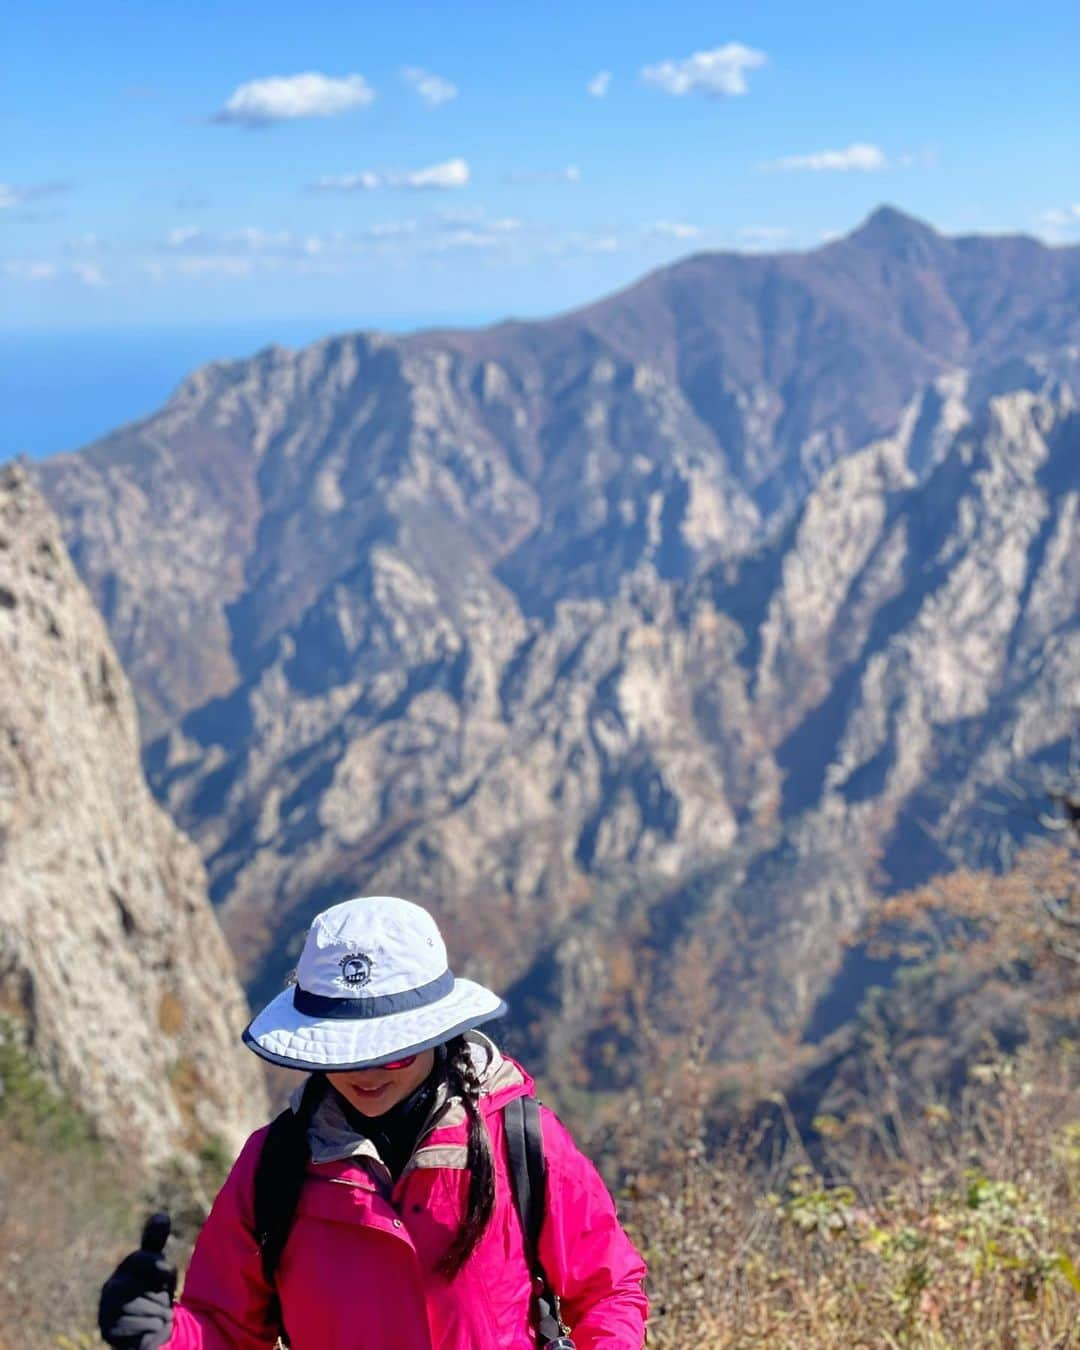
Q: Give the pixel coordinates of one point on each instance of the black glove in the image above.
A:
(135, 1312)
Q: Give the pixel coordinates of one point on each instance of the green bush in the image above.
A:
(30, 1110)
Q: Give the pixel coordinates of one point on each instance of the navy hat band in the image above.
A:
(380, 1005)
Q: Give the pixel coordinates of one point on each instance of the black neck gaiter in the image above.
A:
(396, 1131)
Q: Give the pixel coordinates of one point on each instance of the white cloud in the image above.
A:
(314, 254)
(926, 158)
(12, 195)
(38, 269)
(469, 239)
(423, 239)
(451, 173)
(254, 251)
(283, 98)
(257, 240)
(433, 89)
(90, 274)
(571, 174)
(1060, 224)
(391, 229)
(190, 238)
(317, 267)
(720, 72)
(673, 229)
(758, 237)
(470, 227)
(187, 251)
(26, 269)
(182, 235)
(1062, 215)
(348, 182)
(599, 84)
(858, 157)
(270, 247)
(217, 265)
(453, 217)
(578, 242)
(460, 215)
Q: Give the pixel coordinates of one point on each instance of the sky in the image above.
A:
(289, 169)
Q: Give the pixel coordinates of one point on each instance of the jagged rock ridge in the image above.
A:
(697, 616)
(680, 421)
(112, 964)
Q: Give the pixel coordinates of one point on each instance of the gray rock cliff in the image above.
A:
(112, 964)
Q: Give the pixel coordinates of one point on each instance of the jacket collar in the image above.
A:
(331, 1137)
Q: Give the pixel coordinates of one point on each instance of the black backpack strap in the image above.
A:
(521, 1174)
(528, 1175)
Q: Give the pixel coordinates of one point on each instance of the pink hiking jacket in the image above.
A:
(359, 1269)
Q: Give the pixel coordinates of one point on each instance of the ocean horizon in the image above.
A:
(61, 389)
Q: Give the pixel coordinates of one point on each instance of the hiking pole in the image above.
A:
(156, 1232)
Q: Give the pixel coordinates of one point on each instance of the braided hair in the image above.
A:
(464, 1082)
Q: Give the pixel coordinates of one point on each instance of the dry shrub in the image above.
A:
(57, 1222)
(919, 1215)
(1027, 919)
(65, 1205)
(70, 1208)
(970, 1236)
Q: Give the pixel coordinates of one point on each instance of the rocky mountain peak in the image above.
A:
(893, 232)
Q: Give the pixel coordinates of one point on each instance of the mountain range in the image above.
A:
(648, 644)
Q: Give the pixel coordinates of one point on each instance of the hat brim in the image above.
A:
(282, 1035)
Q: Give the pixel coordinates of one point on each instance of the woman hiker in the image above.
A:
(379, 1213)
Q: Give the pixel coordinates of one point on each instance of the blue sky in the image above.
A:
(448, 162)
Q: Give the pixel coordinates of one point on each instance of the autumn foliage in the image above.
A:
(932, 1209)
(933, 1201)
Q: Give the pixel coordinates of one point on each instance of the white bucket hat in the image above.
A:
(372, 985)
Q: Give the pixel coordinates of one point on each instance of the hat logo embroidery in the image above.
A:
(356, 969)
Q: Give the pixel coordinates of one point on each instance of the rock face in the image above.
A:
(679, 422)
(111, 961)
(657, 637)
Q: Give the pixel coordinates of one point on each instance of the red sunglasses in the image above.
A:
(399, 1063)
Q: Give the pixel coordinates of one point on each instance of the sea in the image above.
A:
(61, 389)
